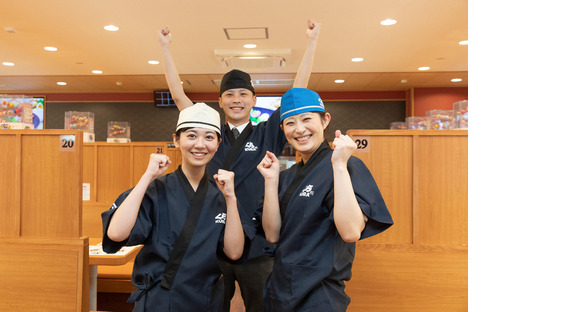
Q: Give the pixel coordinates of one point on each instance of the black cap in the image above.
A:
(236, 79)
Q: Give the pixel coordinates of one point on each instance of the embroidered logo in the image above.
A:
(307, 191)
(221, 218)
(250, 147)
(114, 206)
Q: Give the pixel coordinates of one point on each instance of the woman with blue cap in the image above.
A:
(316, 211)
(183, 221)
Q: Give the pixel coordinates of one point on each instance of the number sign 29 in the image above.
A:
(67, 143)
(363, 143)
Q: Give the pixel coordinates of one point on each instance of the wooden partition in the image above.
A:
(420, 263)
(112, 168)
(44, 259)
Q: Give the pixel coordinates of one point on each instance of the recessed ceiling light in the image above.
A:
(456, 80)
(388, 22)
(403, 80)
(152, 62)
(7, 63)
(51, 49)
(111, 28)
(11, 30)
(119, 83)
(98, 72)
(339, 81)
(61, 83)
(357, 59)
(464, 42)
(249, 46)
(424, 68)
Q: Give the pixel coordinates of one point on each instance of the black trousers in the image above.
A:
(251, 276)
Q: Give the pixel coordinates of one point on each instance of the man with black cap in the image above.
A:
(241, 150)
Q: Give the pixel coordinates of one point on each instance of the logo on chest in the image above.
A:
(250, 147)
(221, 218)
(307, 191)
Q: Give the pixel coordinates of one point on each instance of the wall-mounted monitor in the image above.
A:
(11, 111)
(163, 99)
(265, 106)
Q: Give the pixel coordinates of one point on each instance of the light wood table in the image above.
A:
(98, 257)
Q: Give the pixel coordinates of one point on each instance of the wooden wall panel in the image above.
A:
(89, 166)
(50, 178)
(441, 210)
(113, 171)
(390, 162)
(9, 178)
(92, 224)
(408, 278)
(44, 275)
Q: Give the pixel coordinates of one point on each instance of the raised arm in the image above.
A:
(125, 217)
(348, 216)
(305, 68)
(271, 219)
(234, 238)
(171, 75)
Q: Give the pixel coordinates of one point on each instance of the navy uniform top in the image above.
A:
(312, 261)
(249, 183)
(159, 223)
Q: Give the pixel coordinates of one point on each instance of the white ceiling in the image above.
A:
(427, 34)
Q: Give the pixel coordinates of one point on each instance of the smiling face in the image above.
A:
(305, 132)
(197, 145)
(237, 105)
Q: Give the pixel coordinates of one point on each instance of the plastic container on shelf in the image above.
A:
(416, 123)
(460, 115)
(84, 121)
(398, 125)
(119, 132)
(440, 119)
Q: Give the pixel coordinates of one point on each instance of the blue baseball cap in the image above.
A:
(300, 100)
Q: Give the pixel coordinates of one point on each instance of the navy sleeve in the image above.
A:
(275, 136)
(140, 230)
(369, 198)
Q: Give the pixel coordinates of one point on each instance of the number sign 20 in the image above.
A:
(67, 143)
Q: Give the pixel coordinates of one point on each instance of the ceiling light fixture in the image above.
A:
(98, 72)
(357, 59)
(111, 28)
(7, 63)
(403, 80)
(61, 83)
(339, 81)
(456, 80)
(249, 46)
(464, 42)
(152, 62)
(424, 68)
(388, 22)
(51, 49)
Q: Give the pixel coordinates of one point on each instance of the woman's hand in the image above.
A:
(225, 182)
(269, 167)
(344, 146)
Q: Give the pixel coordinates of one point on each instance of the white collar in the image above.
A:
(240, 127)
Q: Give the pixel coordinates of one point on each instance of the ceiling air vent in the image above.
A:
(255, 60)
